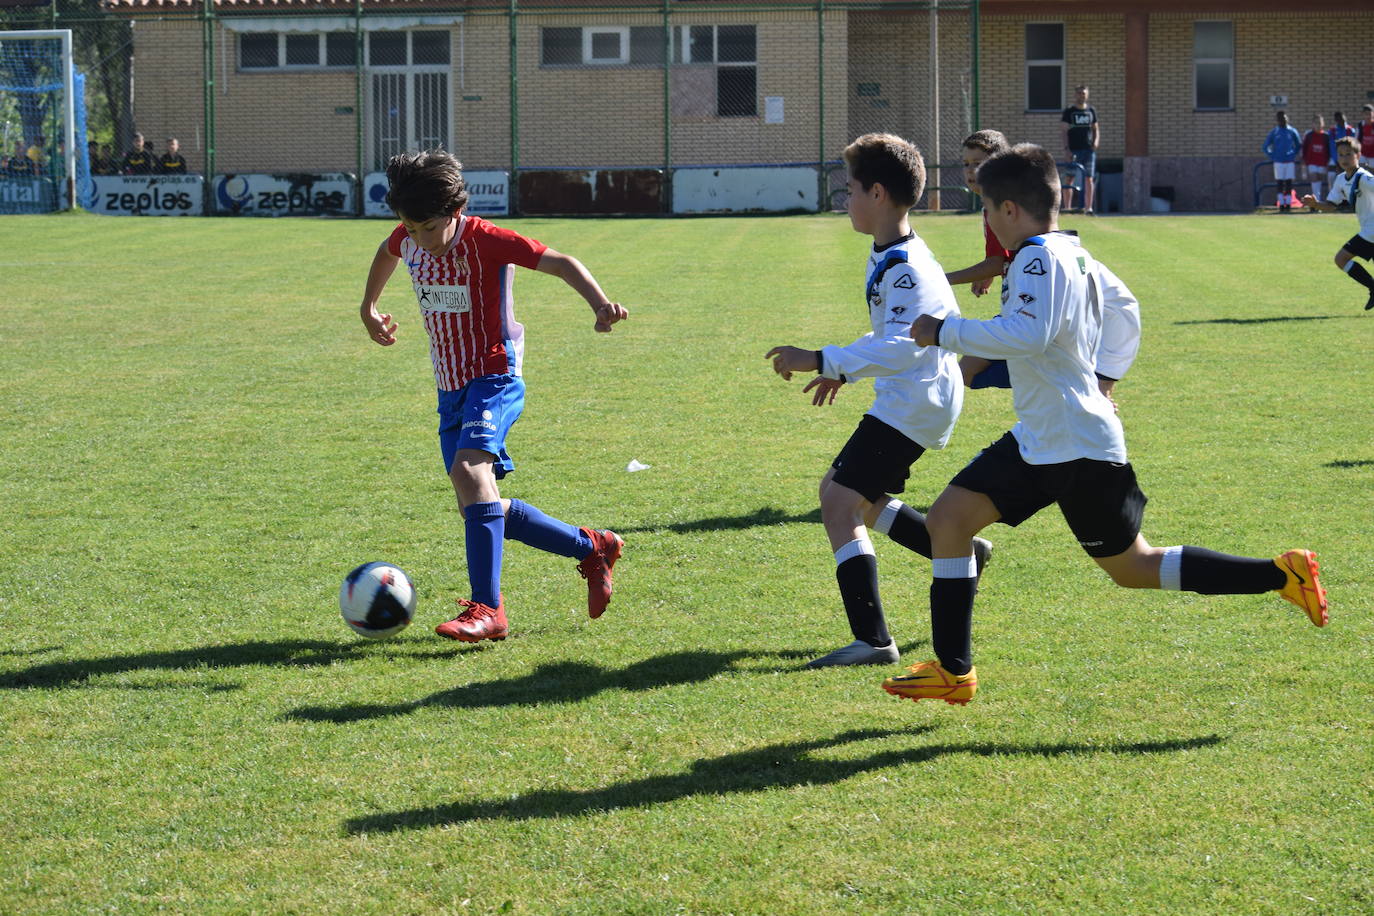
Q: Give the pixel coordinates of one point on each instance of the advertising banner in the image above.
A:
(27, 195)
(146, 195)
(294, 194)
(488, 193)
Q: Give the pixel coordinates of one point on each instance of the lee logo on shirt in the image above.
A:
(435, 298)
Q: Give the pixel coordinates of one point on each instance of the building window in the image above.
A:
(326, 50)
(733, 50)
(601, 46)
(1214, 64)
(1044, 66)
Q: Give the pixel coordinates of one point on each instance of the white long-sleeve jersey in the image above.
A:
(1049, 331)
(1120, 325)
(917, 390)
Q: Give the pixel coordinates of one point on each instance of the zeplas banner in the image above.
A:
(146, 195)
(294, 194)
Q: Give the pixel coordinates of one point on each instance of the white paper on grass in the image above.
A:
(635, 465)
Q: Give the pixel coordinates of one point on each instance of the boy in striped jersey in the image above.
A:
(1067, 446)
(462, 269)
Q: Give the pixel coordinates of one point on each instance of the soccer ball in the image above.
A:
(377, 600)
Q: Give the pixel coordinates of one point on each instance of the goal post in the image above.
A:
(39, 107)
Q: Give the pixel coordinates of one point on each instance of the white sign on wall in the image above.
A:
(293, 194)
(488, 193)
(146, 195)
(744, 189)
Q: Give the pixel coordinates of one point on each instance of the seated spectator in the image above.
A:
(19, 165)
(138, 160)
(172, 162)
(107, 159)
(37, 153)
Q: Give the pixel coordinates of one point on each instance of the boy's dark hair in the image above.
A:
(1339, 116)
(890, 161)
(989, 141)
(1349, 143)
(1025, 174)
(425, 185)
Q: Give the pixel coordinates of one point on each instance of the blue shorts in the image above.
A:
(994, 376)
(1088, 159)
(479, 415)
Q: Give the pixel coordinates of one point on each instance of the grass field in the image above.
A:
(199, 441)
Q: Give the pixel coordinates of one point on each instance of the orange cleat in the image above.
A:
(476, 623)
(1302, 587)
(930, 681)
(596, 569)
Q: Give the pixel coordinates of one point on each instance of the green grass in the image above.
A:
(199, 441)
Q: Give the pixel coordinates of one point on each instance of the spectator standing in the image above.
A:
(1080, 133)
(138, 160)
(172, 162)
(1338, 130)
(1364, 132)
(1282, 147)
(20, 165)
(1316, 153)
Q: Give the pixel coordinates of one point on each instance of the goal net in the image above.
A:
(44, 164)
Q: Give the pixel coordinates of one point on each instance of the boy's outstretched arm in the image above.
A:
(990, 268)
(379, 327)
(570, 270)
(1324, 206)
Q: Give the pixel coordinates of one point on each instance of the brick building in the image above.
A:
(1184, 88)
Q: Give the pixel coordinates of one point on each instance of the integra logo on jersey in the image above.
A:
(434, 298)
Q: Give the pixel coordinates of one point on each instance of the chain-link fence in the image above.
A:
(649, 107)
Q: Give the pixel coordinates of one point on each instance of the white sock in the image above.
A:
(1171, 569)
(954, 567)
(889, 515)
(855, 548)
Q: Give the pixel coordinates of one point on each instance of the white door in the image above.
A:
(409, 100)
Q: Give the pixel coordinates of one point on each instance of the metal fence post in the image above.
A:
(208, 62)
(666, 187)
(822, 178)
(358, 62)
(513, 188)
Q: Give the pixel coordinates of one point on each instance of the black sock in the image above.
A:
(951, 622)
(1210, 573)
(909, 530)
(858, 580)
(1360, 275)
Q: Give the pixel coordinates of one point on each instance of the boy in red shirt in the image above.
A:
(1316, 154)
(462, 269)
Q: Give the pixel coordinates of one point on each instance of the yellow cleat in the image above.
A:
(1302, 587)
(929, 681)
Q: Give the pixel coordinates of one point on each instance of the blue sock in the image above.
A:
(485, 524)
(528, 525)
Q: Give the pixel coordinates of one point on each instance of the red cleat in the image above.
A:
(596, 569)
(476, 623)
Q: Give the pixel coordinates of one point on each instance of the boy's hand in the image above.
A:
(787, 360)
(607, 314)
(380, 328)
(825, 390)
(980, 287)
(925, 330)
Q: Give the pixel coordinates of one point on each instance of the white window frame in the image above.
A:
(1047, 62)
(321, 64)
(622, 33)
(1230, 63)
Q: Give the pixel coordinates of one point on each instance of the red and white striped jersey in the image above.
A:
(466, 301)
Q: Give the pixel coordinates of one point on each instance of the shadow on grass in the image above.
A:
(1350, 463)
(1263, 320)
(758, 518)
(777, 766)
(298, 653)
(558, 682)
(41, 650)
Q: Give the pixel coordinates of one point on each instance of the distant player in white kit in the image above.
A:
(462, 269)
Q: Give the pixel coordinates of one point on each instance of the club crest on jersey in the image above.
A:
(435, 297)
(904, 282)
(1036, 268)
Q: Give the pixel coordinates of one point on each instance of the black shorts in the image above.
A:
(876, 460)
(1100, 500)
(1360, 247)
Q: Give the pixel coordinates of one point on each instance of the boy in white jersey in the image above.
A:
(917, 392)
(1067, 446)
(461, 268)
(1356, 186)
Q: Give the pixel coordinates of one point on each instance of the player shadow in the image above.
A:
(776, 766)
(1263, 320)
(1350, 463)
(293, 653)
(766, 515)
(41, 650)
(559, 682)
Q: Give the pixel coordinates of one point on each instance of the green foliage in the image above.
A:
(200, 441)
